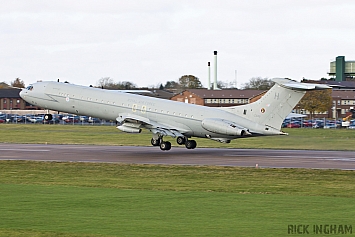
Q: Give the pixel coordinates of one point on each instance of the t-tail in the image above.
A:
(273, 107)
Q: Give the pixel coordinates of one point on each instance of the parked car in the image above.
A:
(71, 119)
(318, 124)
(330, 125)
(307, 124)
(293, 125)
(35, 119)
(94, 120)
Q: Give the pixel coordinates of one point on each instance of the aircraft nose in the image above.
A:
(22, 93)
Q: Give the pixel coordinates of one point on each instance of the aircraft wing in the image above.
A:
(137, 92)
(133, 123)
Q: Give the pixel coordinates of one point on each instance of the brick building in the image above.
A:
(218, 98)
(343, 103)
(10, 99)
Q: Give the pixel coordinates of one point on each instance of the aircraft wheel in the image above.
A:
(165, 146)
(190, 144)
(155, 142)
(48, 117)
(181, 140)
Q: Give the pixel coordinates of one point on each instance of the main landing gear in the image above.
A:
(165, 145)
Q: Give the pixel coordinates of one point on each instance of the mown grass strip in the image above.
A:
(98, 199)
(307, 182)
(117, 212)
(320, 139)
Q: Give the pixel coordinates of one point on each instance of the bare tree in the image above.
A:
(18, 83)
(108, 83)
(258, 83)
(105, 82)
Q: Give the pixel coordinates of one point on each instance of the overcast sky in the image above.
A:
(152, 42)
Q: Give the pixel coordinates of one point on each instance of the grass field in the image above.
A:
(79, 199)
(91, 199)
(321, 139)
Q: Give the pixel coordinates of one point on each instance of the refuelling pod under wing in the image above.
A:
(129, 128)
(224, 127)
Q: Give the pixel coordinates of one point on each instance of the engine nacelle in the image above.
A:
(224, 127)
(128, 129)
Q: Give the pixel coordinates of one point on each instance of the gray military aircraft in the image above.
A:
(171, 118)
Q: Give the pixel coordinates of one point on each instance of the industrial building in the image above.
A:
(342, 70)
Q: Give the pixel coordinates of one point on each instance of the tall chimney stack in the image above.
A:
(209, 76)
(215, 71)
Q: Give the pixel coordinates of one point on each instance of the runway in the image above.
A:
(181, 156)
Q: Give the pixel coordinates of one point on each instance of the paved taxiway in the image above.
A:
(181, 156)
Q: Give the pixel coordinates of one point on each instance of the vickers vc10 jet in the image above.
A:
(171, 118)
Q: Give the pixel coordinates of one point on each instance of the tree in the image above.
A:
(316, 101)
(108, 83)
(105, 82)
(190, 81)
(171, 85)
(4, 85)
(125, 85)
(258, 83)
(18, 83)
(222, 85)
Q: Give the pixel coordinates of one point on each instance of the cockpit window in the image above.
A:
(30, 87)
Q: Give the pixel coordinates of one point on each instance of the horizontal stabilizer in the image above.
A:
(294, 85)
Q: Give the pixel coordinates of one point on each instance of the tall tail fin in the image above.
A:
(272, 108)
